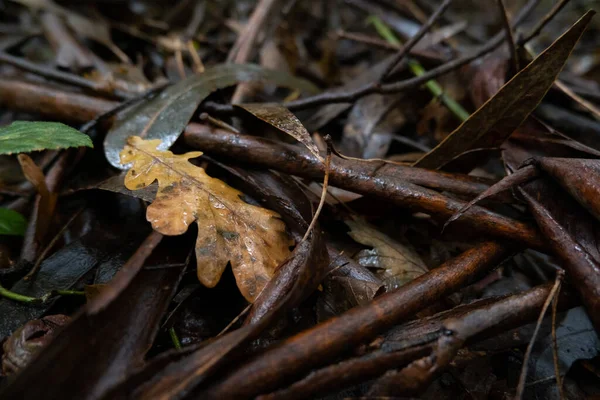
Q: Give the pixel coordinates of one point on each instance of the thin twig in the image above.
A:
(323, 195)
(236, 319)
(523, 377)
(561, 392)
(509, 36)
(543, 22)
(414, 40)
(366, 39)
(60, 76)
(43, 254)
(244, 45)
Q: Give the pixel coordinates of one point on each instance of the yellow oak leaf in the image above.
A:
(252, 238)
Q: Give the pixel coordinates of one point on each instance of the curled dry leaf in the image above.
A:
(26, 341)
(397, 263)
(252, 238)
(281, 118)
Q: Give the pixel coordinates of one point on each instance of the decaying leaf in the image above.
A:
(252, 238)
(495, 121)
(26, 341)
(396, 263)
(282, 119)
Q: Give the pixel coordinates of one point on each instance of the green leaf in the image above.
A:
(23, 137)
(497, 119)
(165, 116)
(12, 223)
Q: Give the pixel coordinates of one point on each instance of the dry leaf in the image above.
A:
(281, 118)
(396, 263)
(252, 238)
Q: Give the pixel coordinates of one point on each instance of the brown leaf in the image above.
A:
(47, 200)
(252, 238)
(397, 263)
(282, 119)
(26, 341)
(494, 122)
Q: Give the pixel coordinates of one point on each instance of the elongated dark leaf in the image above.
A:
(494, 122)
(165, 116)
(282, 119)
(24, 136)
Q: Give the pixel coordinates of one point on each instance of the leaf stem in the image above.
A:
(18, 297)
(417, 69)
(9, 294)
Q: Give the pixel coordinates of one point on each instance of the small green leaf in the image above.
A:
(12, 223)
(23, 137)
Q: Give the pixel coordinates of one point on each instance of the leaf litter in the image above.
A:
(395, 285)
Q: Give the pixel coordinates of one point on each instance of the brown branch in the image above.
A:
(394, 183)
(330, 339)
(488, 315)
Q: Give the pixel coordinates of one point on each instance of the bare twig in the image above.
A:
(59, 76)
(553, 292)
(374, 41)
(242, 49)
(50, 245)
(414, 40)
(509, 37)
(561, 391)
(323, 196)
(543, 22)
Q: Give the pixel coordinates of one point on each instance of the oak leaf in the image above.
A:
(252, 238)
